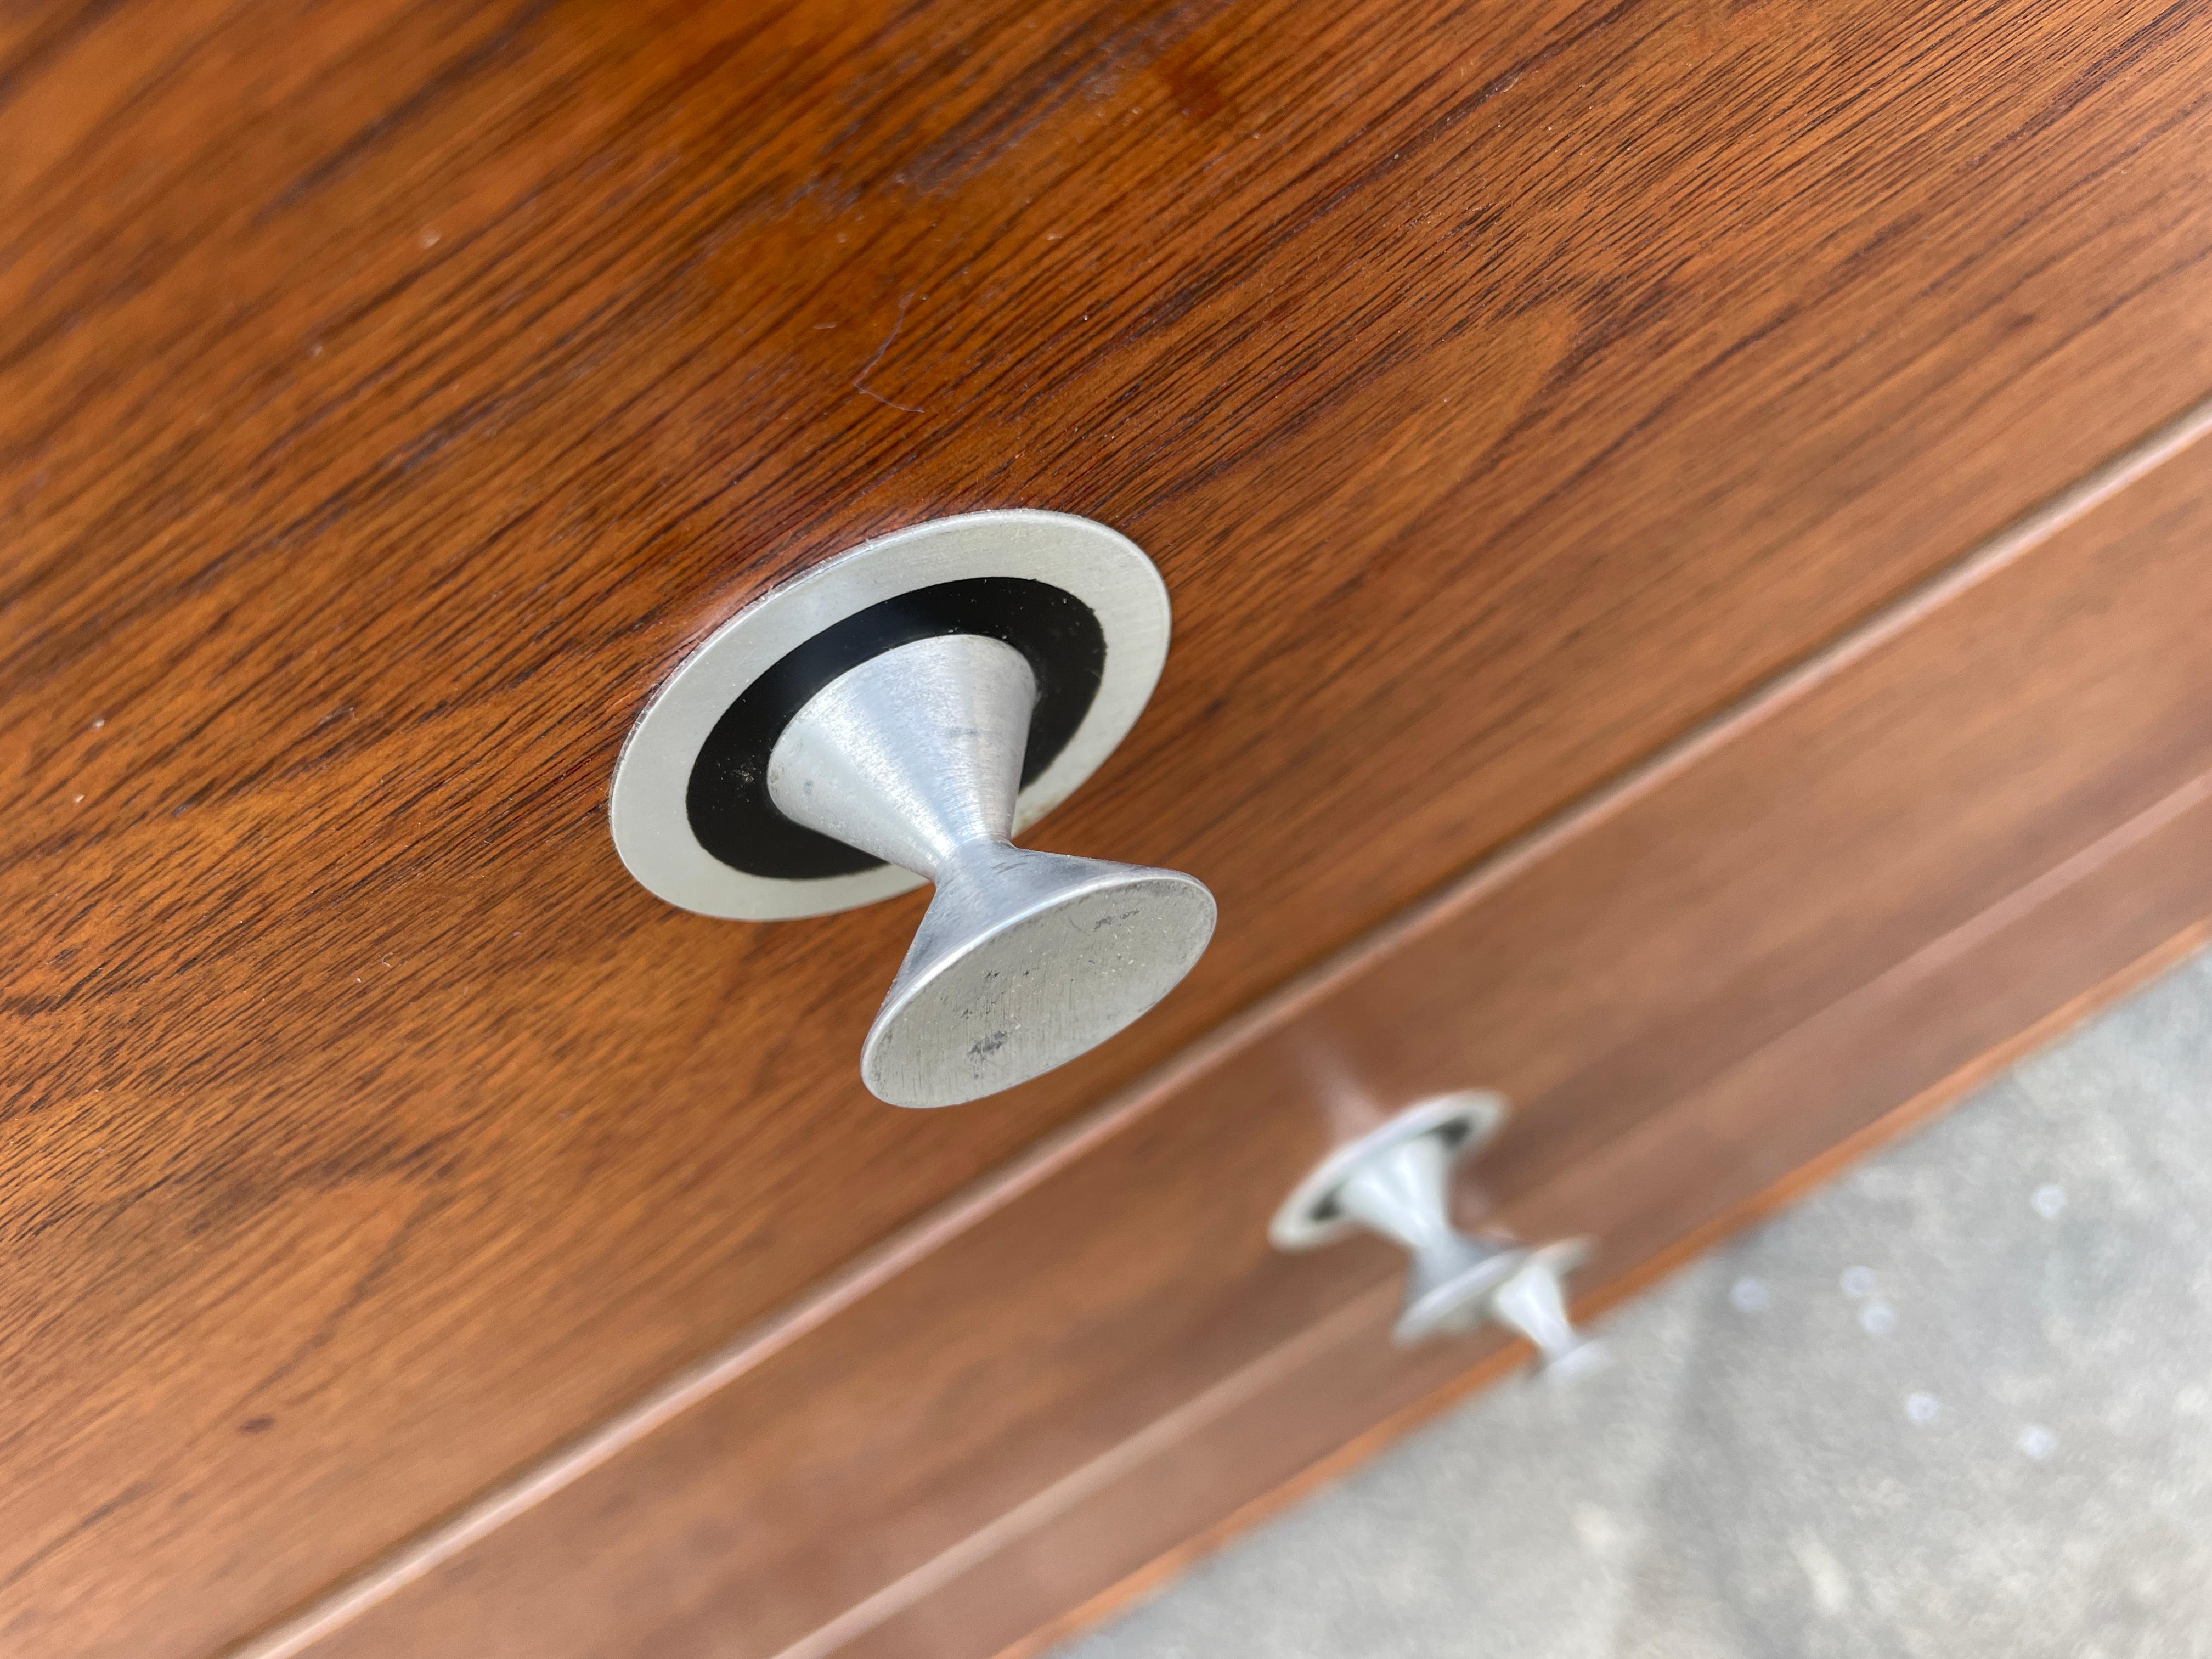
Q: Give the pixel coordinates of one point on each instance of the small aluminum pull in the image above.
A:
(1024, 960)
(1395, 1181)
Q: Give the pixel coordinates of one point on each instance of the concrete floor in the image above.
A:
(1957, 1403)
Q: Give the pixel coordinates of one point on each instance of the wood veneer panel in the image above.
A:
(389, 394)
(1879, 876)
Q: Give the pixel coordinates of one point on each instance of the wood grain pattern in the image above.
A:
(390, 393)
(1837, 912)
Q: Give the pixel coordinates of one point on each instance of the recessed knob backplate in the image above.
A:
(897, 715)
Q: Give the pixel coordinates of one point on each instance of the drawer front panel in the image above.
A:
(1850, 899)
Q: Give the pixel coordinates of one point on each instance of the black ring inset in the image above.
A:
(727, 799)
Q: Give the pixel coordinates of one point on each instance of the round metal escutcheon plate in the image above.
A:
(650, 806)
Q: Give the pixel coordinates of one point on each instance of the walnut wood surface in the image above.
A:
(390, 394)
(1834, 915)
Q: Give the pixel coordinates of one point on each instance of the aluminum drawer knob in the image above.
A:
(1396, 1182)
(894, 715)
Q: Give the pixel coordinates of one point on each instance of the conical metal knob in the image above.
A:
(1396, 1182)
(1024, 960)
(1533, 1301)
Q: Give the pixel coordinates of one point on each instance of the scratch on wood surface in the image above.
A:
(860, 380)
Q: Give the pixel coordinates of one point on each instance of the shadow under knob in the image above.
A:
(1024, 959)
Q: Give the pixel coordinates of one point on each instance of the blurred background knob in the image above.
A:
(1395, 1181)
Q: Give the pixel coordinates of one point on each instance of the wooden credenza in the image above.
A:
(1691, 556)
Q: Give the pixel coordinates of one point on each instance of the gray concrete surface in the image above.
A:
(1957, 1403)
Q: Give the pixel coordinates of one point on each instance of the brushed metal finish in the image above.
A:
(1024, 960)
(1100, 566)
(913, 755)
(1395, 1181)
